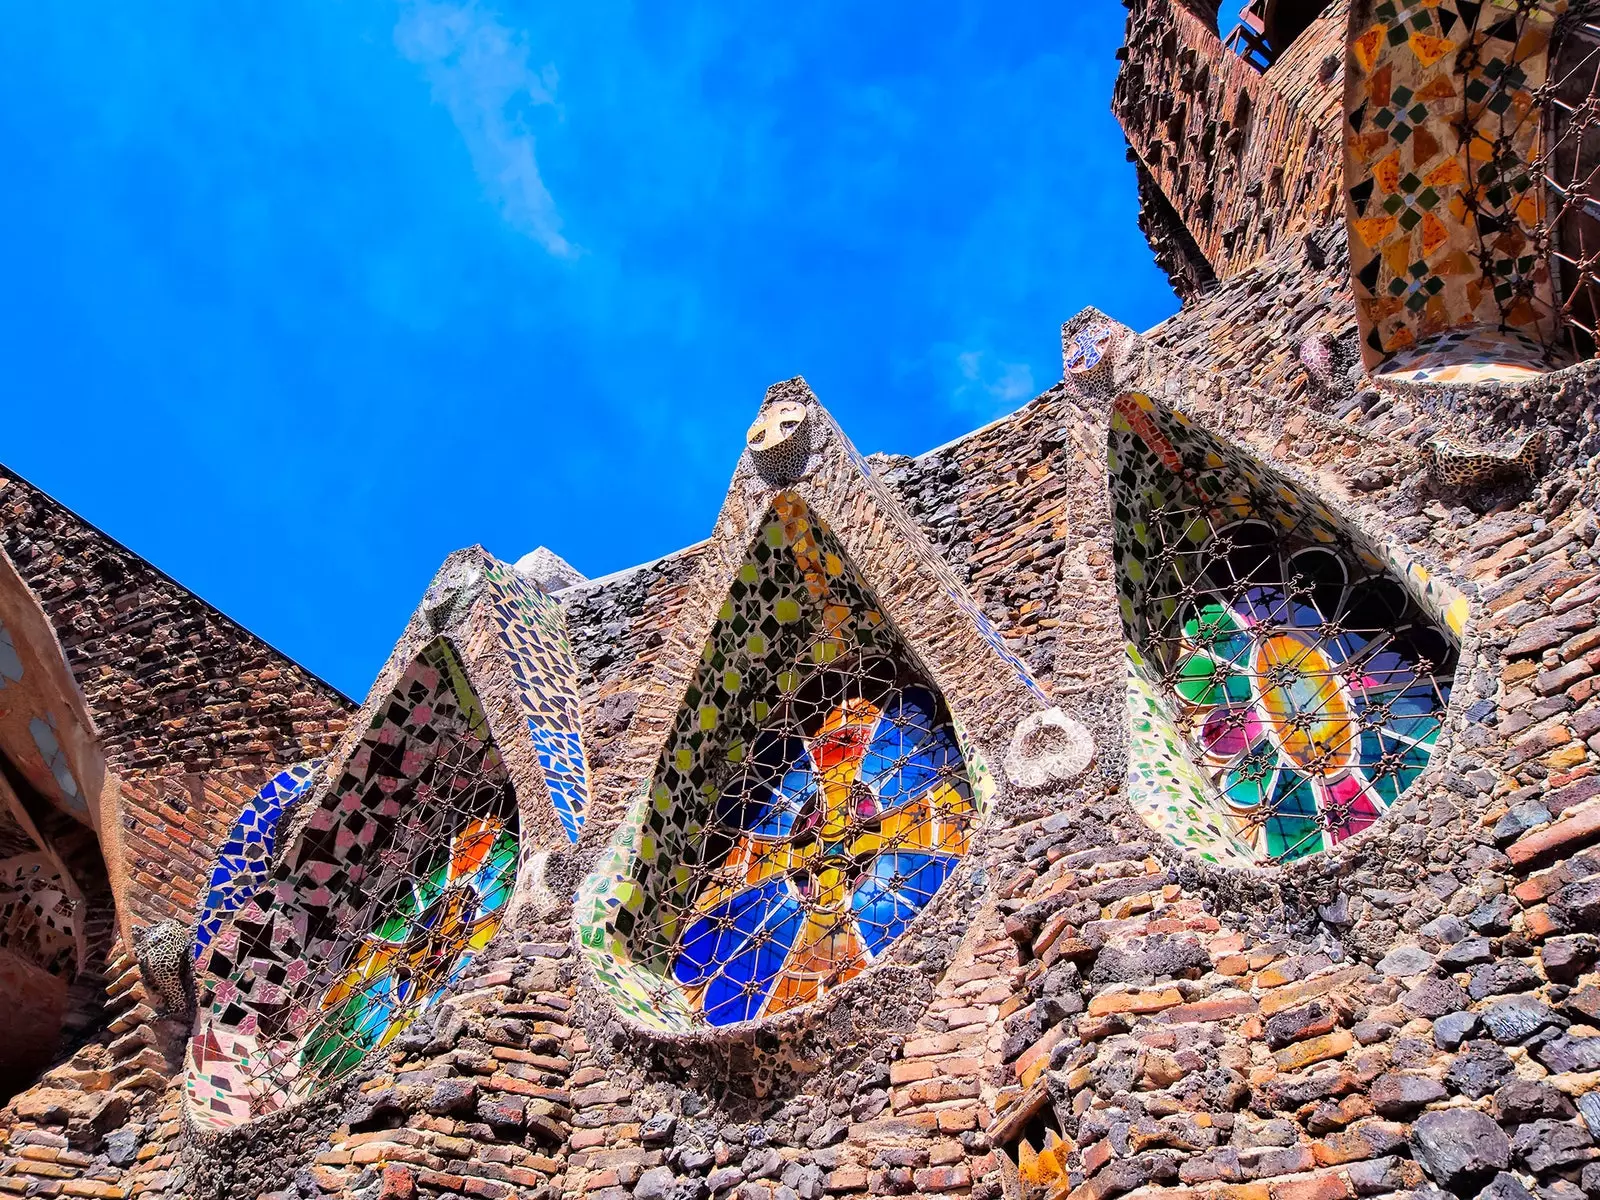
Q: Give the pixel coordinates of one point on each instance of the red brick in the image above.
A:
(1309, 1187)
(1134, 1002)
(1314, 1050)
(1218, 1008)
(941, 1179)
(1291, 994)
(1577, 825)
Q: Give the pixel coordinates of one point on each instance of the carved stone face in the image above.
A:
(779, 440)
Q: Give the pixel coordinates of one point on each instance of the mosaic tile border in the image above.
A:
(533, 634)
(244, 857)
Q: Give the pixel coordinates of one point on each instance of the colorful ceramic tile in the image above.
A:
(534, 635)
(1471, 355)
(397, 880)
(812, 798)
(245, 855)
(1447, 230)
(1301, 680)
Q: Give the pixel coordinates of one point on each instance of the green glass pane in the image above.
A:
(337, 1044)
(1246, 787)
(1210, 625)
(1196, 680)
(393, 928)
(432, 886)
(1292, 837)
(403, 898)
(1292, 831)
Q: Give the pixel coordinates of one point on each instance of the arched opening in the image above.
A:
(1267, 28)
(1285, 687)
(398, 876)
(811, 799)
(57, 907)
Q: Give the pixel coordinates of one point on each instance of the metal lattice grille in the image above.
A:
(1311, 688)
(1570, 169)
(399, 877)
(837, 827)
(811, 799)
(1286, 688)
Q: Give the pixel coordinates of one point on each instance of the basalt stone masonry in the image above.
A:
(1186, 787)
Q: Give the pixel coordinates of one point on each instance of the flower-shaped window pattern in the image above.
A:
(395, 879)
(1285, 685)
(1314, 699)
(812, 798)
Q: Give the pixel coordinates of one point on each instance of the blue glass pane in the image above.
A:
(770, 793)
(1292, 830)
(908, 754)
(896, 888)
(740, 946)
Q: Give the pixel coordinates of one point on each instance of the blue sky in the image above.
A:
(300, 296)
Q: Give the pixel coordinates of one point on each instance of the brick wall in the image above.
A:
(173, 684)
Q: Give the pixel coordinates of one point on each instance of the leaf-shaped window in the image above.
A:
(812, 798)
(400, 875)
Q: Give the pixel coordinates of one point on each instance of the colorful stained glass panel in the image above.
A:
(812, 799)
(397, 880)
(1302, 681)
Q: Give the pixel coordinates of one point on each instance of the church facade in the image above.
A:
(1184, 788)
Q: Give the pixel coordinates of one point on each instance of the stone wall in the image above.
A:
(1088, 1013)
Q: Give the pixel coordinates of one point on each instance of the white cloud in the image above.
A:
(988, 386)
(479, 71)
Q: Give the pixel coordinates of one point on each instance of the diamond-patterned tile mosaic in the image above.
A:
(245, 854)
(534, 634)
(1443, 128)
(397, 880)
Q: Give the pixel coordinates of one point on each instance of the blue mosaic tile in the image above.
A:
(246, 851)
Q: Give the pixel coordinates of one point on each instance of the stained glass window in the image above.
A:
(1301, 680)
(398, 876)
(811, 801)
(849, 812)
